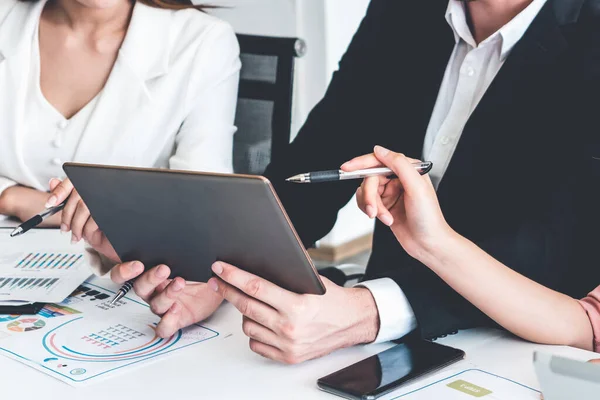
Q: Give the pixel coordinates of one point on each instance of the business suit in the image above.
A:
(169, 101)
(533, 113)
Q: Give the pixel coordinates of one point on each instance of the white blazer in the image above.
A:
(169, 101)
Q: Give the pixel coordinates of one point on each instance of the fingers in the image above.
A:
(595, 361)
(252, 285)
(362, 162)
(406, 173)
(267, 351)
(170, 323)
(123, 272)
(258, 332)
(60, 191)
(370, 194)
(164, 300)
(79, 220)
(69, 210)
(148, 282)
(91, 232)
(248, 306)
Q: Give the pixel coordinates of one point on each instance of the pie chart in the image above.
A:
(26, 325)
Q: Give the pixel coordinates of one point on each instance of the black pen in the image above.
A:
(38, 219)
(127, 286)
(339, 175)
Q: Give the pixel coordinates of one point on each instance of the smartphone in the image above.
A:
(382, 373)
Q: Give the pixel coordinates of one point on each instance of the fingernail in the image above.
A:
(136, 267)
(381, 151)
(162, 272)
(212, 283)
(343, 165)
(51, 202)
(64, 228)
(74, 239)
(217, 268)
(371, 212)
(387, 219)
(177, 285)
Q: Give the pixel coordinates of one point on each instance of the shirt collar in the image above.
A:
(510, 34)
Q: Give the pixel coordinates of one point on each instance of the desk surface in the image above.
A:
(230, 370)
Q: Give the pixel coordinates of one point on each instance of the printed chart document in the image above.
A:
(85, 339)
(465, 384)
(40, 266)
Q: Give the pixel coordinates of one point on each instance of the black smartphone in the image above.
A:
(382, 373)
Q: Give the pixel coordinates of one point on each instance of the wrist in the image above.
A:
(365, 324)
(435, 252)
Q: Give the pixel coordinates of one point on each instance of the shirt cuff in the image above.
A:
(396, 316)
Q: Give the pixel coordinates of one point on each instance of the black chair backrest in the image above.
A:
(264, 109)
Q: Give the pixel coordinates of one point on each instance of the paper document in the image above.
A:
(85, 338)
(40, 266)
(465, 385)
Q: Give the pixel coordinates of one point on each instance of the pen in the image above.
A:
(123, 291)
(339, 175)
(37, 219)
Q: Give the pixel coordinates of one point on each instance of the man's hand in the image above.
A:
(293, 328)
(178, 302)
(76, 218)
(24, 202)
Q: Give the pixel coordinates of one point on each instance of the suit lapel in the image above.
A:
(540, 47)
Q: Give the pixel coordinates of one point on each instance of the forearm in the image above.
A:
(23, 203)
(519, 304)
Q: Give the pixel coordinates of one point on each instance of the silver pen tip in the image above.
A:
(16, 232)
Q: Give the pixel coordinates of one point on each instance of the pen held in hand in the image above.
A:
(37, 219)
(339, 175)
(127, 286)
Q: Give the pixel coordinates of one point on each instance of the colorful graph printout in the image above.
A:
(85, 338)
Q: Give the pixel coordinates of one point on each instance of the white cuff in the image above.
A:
(396, 316)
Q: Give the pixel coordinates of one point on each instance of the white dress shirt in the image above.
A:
(50, 138)
(169, 101)
(470, 71)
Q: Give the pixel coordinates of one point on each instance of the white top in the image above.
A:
(50, 138)
(470, 71)
(169, 101)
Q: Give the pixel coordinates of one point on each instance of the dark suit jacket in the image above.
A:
(508, 188)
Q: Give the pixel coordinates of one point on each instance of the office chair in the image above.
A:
(264, 109)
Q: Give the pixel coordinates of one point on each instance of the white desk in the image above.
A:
(231, 371)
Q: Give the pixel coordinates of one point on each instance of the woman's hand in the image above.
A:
(177, 302)
(408, 205)
(76, 218)
(24, 202)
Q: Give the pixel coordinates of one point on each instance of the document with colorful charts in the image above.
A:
(85, 339)
(40, 266)
(464, 381)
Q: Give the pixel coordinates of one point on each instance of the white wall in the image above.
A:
(327, 26)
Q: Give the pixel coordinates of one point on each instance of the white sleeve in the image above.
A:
(205, 140)
(5, 183)
(396, 316)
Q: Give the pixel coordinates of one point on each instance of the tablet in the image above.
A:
(189, 220)
(562, 378)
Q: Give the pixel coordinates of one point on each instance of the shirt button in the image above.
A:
(57, 143)
(62, 124)
(445, 140)
(56, 161)
(470, 71)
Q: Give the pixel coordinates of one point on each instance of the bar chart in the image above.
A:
(45, 261)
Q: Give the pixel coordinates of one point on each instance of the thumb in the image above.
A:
(399, 164)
